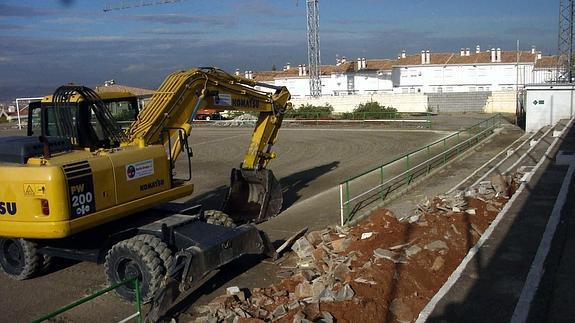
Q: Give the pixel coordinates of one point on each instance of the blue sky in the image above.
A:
(44, 44)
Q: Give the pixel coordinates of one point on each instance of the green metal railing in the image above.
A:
(317, 116)
(379, 183)
(138, 304)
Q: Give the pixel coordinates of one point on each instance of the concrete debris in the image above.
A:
(388, 255)
(340, 245)
(345, 294)
(303, 248)
(437, 264)
(279, 311)
(289, 242)
(500, 184)
(323, 269)
(436, 245)
(364, 281)
(412, 251)
(366, 235)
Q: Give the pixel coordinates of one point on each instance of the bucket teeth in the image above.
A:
(254, 195)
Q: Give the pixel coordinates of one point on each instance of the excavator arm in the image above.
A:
(255, 194)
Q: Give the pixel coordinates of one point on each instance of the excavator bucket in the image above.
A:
(254, 195)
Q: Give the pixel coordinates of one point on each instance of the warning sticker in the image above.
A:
(140, 169)
(39, 189)
(223, 99)
(29, 189)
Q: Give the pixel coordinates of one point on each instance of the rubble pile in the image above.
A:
(384, 269)
(245, 119)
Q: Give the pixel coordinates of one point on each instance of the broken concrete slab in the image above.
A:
(279, 311)
(436, 245)
(412, 251)
(340, 245)
(345, 294)
(303, 248)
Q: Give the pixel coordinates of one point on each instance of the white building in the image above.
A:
(425, 72)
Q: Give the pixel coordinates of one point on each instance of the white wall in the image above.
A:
(547, 104)
(460, 78)
(402, 102)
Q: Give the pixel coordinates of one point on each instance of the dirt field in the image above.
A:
(309, 162)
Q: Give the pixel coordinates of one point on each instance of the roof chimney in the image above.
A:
(539, 55)
(462, 52)
(467, 52)
(533, 50)
(299, 70)
(403, 54)
(493, 57)
(423, 59)
(237, 73)
(288, 66)
(344, 59)
(251, 75)
(499, 55)
(337, 61)
(359, 64)
(304, 69)
(477, 49)
(364, 63)
(428, 57)
(247, 74)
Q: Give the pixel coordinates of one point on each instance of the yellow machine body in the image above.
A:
(78, 190)
(59, 195)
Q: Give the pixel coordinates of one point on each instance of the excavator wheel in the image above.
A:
(19, 258)
(254, 196)
(133, 258)
(218, 218)
(160, 248)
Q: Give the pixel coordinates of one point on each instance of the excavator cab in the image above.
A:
(83, 116)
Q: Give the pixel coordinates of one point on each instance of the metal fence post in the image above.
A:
(381, 182)
(444, 152)
(138, 300)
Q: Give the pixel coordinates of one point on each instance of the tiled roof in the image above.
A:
(547, 62)
(124, 88)
(507, 57)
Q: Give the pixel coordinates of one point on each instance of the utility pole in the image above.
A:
(565, 42)
(313, 48)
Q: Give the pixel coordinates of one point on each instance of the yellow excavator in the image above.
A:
(81, 187)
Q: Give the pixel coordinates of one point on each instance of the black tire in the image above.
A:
(218, 218)
(131, 258)
(19, 258)
(160, 248)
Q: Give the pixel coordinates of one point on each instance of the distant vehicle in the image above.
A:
(208, 114)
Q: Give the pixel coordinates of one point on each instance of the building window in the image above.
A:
(449, 89)
(487, 88)
(440, 90)
(480, 89)
(412, 90)
(472, 89)
(404, 90)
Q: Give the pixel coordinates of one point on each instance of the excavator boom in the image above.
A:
(255, 194)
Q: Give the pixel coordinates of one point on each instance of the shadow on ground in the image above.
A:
(291, 187)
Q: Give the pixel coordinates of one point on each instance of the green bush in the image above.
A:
(371, 110)
(309, 111)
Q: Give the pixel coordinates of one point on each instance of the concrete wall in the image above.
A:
(501, 102)
(547, 104)
(402, 102)
(458, 102)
